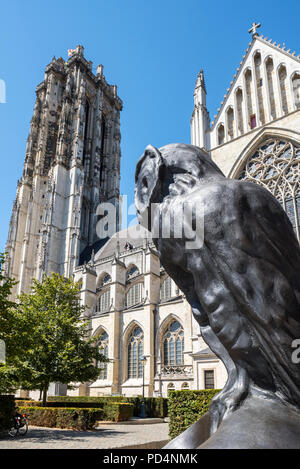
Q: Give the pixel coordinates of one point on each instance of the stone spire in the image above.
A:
(200, 90)
(200, 121)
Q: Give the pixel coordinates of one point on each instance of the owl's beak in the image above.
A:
(148, 184)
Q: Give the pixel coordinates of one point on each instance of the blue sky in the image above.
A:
(153, 50)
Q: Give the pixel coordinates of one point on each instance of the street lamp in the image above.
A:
(143, 411)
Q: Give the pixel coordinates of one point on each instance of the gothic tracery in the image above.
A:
(275, 165)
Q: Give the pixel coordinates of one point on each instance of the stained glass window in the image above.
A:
(103, 345)
(134, 295)
(173, 344)
(135, 353)
(165, 290)
(104, 302)
(275, 165)
(132, 272)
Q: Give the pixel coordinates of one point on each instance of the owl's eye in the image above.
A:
(145, 182)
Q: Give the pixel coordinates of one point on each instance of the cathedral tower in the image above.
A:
(72, 164)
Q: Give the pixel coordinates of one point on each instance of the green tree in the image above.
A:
(8, 373)
(55, 339)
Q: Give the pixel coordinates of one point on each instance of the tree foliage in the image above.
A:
(51, 337)
(8, 373)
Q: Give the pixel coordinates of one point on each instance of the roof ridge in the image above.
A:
(279, 47)
(232, 81)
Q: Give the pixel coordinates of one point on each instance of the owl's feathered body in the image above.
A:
(243, 283)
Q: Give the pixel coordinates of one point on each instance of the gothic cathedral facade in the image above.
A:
(72, 164)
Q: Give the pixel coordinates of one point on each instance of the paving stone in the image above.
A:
(104, 437)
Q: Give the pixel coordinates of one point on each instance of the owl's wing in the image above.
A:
(257, 255)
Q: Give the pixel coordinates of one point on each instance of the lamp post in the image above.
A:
(143, 411)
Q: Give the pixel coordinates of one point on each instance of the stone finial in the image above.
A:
(80, 50)
(100, 70)
(200, 80)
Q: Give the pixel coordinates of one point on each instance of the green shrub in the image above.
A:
(186, 407)
(154, 406)
(75, 415)
(25, 403)
(76, 419)
(118, 411)
(7, 408)
(23, 399)
(83, 398)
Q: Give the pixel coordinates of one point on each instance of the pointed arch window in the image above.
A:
(283, 84)
(173, 344)
(134, 295)
(165, 289)
(275, 165)
(106, 279)
(221, 134)
(135, 353)
(102, 146)
(296, 89)
(104, 301)
(86, 128)
(230, 122)
(103, 345)
(132, 272)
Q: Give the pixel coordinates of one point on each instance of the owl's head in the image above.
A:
(169, 171)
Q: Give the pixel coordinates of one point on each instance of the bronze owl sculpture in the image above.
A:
(242, 282)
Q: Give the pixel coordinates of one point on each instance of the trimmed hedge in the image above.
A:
(186, 407)
(154, 406)
(114, 411)
(25, 403)
(76, 419)
(7, 409)
(118, 411)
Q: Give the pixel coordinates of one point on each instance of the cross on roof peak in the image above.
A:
(254, 29)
